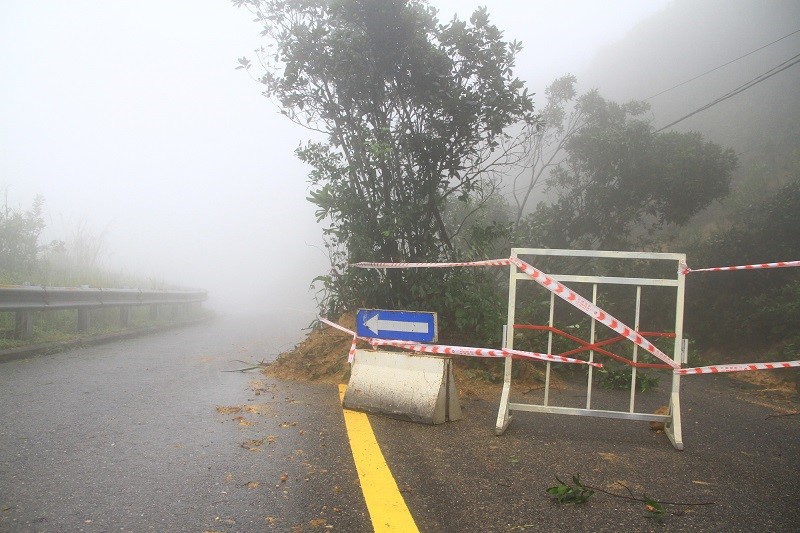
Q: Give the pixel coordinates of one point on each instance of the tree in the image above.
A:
(19, 240)
(620, 181)
(545, 148)
(414, 113)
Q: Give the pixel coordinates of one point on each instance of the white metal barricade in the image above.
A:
(671, 420)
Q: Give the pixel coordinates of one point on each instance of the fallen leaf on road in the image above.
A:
(227, 410)
(252, 444)
(257, 408)
(608, 456)
(243, 421)
(659, 426)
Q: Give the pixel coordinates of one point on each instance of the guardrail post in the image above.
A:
(154, 312)
(83, 320)
(23, 325)
(124, 316)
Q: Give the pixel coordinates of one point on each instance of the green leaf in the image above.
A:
(653, 507)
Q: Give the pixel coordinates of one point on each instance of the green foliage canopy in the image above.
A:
(414, 113)
(621, 180)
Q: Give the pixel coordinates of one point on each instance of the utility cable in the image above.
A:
(721, 66)
(775, 70)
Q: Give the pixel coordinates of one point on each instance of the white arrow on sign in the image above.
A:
(374, 324)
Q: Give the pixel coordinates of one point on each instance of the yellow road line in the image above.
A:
(386, 506)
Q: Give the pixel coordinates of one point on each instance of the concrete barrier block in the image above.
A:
(415, 387)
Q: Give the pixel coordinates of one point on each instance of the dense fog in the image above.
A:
(129, 118)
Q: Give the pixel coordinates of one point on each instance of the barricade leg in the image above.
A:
(673, 426)
(504, 414)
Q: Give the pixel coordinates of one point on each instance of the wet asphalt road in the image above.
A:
(459, 477)
(150, 434)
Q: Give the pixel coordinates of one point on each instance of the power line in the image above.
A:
(721, 66)
(775, 70)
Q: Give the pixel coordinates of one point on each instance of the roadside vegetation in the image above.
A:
(59, 327)
(73, 262)
(428, 148)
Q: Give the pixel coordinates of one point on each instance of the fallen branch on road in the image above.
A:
(645, 499)
(580, 493)
(261, 364)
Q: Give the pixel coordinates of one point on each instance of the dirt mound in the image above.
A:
(322, 356)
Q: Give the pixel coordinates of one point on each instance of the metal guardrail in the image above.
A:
(38, 298)
(23, 300)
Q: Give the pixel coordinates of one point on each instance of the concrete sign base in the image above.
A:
(417, 387)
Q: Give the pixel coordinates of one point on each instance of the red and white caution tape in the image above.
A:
(488, 262)
(337, 326)
(352, 353)
(736, 367)
(439, 349)
(684, 269)
(453, 350)
(547, 357)
(581, 303)
(554, 286)
(591, 309)
(477, 352)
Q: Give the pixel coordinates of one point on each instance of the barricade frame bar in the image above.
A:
(672, 420)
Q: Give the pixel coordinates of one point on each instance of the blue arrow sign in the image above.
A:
(416, 326)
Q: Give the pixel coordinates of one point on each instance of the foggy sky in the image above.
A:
(689, 39)
(128, 115)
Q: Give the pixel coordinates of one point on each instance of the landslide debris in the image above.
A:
(322, 357)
